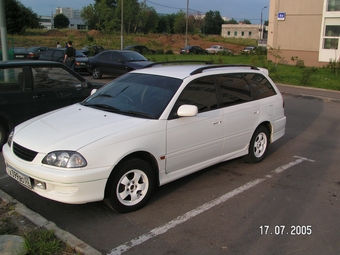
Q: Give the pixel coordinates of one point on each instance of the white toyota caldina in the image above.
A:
(145, 129)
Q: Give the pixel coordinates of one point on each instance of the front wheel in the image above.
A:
(96, 73)
(130, 186)
(258, 145)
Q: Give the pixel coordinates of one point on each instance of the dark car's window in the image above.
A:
(116, 56)
(58, 54)
(104, 56)
(261, 86)
(133, 56)
(202, 93)
(54, 78)
(48, 53)
(234, 89)
(11, 79)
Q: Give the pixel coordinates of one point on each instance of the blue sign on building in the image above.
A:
(281, 16)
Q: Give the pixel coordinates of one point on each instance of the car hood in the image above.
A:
(138, 64)
(71, 128)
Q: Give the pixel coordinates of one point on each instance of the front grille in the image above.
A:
(23, 152)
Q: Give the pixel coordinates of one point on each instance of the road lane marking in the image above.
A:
(187, 216)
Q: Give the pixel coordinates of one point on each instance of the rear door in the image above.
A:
(16, 103)
(241, 112)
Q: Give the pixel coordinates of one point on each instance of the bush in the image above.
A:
(160, 51)
(169, 52)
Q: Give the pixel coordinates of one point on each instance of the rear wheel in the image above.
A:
(130, 186)
(258, 145)
(96, 73)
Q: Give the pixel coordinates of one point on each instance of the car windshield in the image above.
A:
(133, 56)
(20, 50)
(138, 95)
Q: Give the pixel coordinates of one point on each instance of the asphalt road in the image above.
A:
(287, 204)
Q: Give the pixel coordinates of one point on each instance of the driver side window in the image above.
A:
(200, 92)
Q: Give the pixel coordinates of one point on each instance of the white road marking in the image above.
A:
(187, 216)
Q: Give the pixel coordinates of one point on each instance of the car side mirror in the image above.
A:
(187, 110)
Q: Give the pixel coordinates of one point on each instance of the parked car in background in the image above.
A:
(57, 54)
(249, 49)
(215, 49)
(115, 62)
(193, 50)
(32, 87)
(35, 52)
(144, 129)
(92, 50)
(140, 49)
(20, 53)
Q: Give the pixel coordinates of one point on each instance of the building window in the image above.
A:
(228, 33)
(333, 5)
(250, 34)
(235, 33)
(332, 31)
(242, 33)
(330, 43)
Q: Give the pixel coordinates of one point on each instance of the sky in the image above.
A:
(237, 9)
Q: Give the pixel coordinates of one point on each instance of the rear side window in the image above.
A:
(234, 89)
(260, 85)
(11, 79)
(48, 53)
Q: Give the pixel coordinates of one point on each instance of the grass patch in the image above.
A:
(42, 242)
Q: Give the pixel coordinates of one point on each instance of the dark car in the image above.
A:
(140, 49)
(32, 87)
(193, 50)
(35, 52)
(57, 54)
(92, 50)
(116, 62)
(20, 53)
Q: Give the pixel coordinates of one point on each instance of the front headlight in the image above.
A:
(10, 138)
(67, 159)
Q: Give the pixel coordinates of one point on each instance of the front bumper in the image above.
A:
(68, 186)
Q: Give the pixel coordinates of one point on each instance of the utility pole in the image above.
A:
(186, 27)
(3, 31)
(261, 25)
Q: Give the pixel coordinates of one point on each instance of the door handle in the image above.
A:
(256, 112)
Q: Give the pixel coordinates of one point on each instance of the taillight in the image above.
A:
(30, 55)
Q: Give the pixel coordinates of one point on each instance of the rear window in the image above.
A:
(260, 85)
(11, 79)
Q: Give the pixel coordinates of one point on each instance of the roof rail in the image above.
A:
(201, 69)
(178, 62)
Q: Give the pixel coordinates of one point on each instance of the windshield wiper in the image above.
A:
(104, 107)
(138, 114)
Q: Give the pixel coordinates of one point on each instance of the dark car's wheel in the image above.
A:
(258, 145)
(96, 73)
(130, 186)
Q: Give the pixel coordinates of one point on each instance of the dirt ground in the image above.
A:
(169, 41)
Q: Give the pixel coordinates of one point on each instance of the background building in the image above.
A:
(247, 31)
(307, 29)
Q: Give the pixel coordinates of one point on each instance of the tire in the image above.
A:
(3, 136)
(130, 186)
(258, 146)
(96, 73)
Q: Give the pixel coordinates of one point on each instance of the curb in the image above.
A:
(77, 244)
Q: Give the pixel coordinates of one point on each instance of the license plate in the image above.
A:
(21, 178)
(19, 56)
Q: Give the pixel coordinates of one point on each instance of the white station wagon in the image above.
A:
(145, 129)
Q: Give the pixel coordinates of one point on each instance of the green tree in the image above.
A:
(61, 21)
(246, 21)
(147, 19)
(232, 21)
(131, 11)
(180, 23)
(19, 17)
(213, 22)
(162, 26)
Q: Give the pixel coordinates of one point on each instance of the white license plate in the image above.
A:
(21, 178)
(19, 56)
